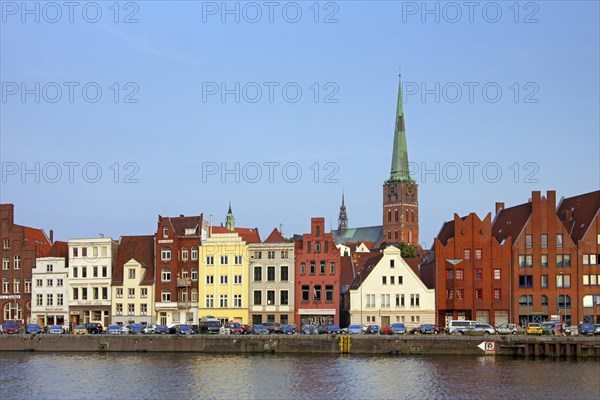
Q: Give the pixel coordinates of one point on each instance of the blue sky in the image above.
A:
(163, 122)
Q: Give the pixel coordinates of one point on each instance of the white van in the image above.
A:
(459, 326)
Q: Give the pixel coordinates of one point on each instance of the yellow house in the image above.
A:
(133, 281)
(223, 272)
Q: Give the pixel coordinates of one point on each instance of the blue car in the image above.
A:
(260, 330)
(587, 329)
(56, 329)
(398, 329)
(309, 330)
(333, 329)
(354, 329)
(136, 328)
(114, 330)
(288, 329)
(161, 329)
(372, 330)
(426, 329)
(32, 328)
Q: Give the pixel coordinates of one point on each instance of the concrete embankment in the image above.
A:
(299, 344)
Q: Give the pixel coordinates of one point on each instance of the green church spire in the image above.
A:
(400, 172)
(230, 221)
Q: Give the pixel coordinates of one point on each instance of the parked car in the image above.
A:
(427, 329)
(333, 329)
(354, 329)
(398, 329)
(309, 329)
(150, 328)
(161, 329)
(125, 329)
(181, 329)
(509, 329)
(56, 329)
(587, 329)
(10, 327)
(235, 328)
(548, 328)
(483, 329)
(114, 330)
(136, 328)
(386, 330)
(534, 328)
(288, 329)
(33, 328)
(323, 329)
(79, 330)
(372, 330)
(273, 327)
(209, 325)
(260, 330)
(597, 330)
(94, 328)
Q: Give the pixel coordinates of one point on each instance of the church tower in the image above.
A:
(343, 218)
(230, 220)
(400, 192)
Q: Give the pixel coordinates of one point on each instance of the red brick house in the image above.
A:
(21, 246)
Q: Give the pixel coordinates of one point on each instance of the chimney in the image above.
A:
(499, 207)
(536, 195)
(551, 196)
(51, 236)
(101, 235)
(180, 215)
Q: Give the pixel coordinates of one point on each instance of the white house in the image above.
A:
(49, 295)
(386, 290)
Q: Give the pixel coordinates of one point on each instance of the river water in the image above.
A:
(200, 376)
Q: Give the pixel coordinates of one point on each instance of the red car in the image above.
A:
(238, 329)
(10, 327)
(386, 330)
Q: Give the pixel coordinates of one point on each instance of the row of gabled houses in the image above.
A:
(532, 262)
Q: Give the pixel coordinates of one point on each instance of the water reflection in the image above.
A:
(172, 375)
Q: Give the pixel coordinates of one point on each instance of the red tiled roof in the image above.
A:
(446, 233)
(346, 272)
(510, 222)
(37, 237)
(139, 248)
(59, 249)
(413, 263)
(275, 237)
(180, 224)
(583, 209)
(366, 269)
(248, 235)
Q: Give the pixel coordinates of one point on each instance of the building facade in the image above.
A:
(91, 263)
(386, 290)
(224, 269)
(177, 249)
(21, 246)
(271, 283)
(473, 272)
(50, 293)
(317, 277)
(133, 281)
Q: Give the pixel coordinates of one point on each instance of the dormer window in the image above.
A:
(166, 232)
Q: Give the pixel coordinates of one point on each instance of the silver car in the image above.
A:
(509, 329)
(483, 329)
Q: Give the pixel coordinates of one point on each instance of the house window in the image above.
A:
(284, 254)
(459, 274)
(332, 268)
(165, 232)
(194, 274)
(257, 274)
(131, 273)
(95, 271)
(478, 274)
(459, 293)
(237, 260)
(28, 285)
(130, 309)
(563, 261)
(6, 244)
(392, 280)
(223, 301)
(237, 279)
(104, 271)
(5, 263)
(119, 308)
(544, 282)
(257, 297)
(84, 295)
(143, 309)
(166, 275)
(224, 260)
(544, 240)
(449, 294)
(308, 246)
(312, 267)
(329, 293)
(414, 300)
(326, 244)
(210, 260)
(478, 254)
(317, 231)
(270, 274)
(528, 241)
(75, 252)
(525, 281)
(144, 293)
(17, 285)
(467, 254)
(563, 301)
(194, 295)
(544, 261)
(104, 293)
(39, 300)
(392, 263)
(399, 279)
(84, 252)
(75, 272)
(563, 281)
(39, 282)
(95, 293)
(223, 279)
(270, 297)
(49, 282)
(384, 280)
(497, 273)
(194, 253)
(559, 240)
(497, 294)
(59, 282)
(165, 295)
(305, 292)
(209, 301)
(317, 247)
(385, 300)
(49, 267)
(237, 301)
(210, 279)
(449, 274)
(184, 254)
(119, 293)
(131, 293)
(544, 300)
(302, 269)
(478, 293)
(283, 298)
(17, 262)
(165, 254)
(284, 274)
(317, 292)
(75, 294)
